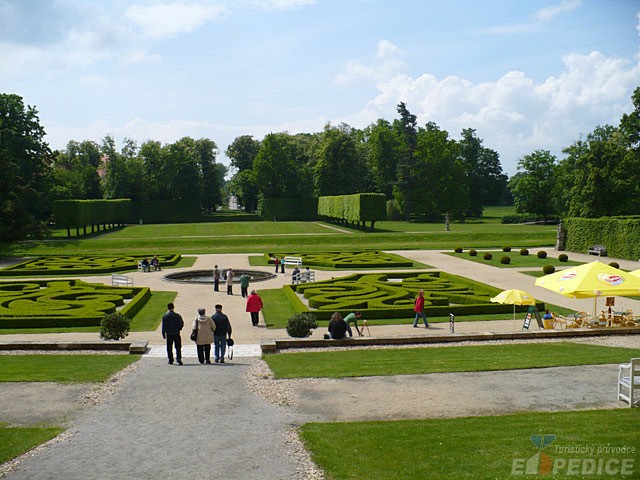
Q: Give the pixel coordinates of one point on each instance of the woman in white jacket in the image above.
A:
(206, 327)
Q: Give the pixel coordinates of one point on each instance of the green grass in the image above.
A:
(259, 237)
(411, 361)
(14, 441)
(517, 260)
(478, 448)
(277, 308)
(61, 368)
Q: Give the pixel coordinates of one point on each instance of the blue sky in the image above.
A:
(526, 74)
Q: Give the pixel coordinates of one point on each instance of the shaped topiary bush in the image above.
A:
(114, 326)
(563, 257)
(524, 252)
(614, 264)
(542, 254)
(506, 249)
(473, 253)
(548, 269)
(487, 256)
(458, 250)
(300, 324)
(505, 260)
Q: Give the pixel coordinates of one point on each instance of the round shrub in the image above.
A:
(563, 257)
(547, 269)
(505, 260)
(458, 250)
(506, 249)
(114, 326)
(300, 324)
(473, 252)
(487, 256)
(524, 252)
(614, 264)
(542, 254)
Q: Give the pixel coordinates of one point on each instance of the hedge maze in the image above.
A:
(65, 303)
(349, 260)
(81, 265)
(391, 295)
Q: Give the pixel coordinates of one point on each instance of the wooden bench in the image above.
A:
(118, 280)
(297, 261)
(600, 250)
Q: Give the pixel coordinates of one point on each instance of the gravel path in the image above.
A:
(194, 421)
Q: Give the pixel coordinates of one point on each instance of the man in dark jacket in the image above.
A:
(172, 323)
(223, 330)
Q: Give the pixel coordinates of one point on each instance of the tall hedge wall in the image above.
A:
(621, 235)
(288, 208)
(357, 208)
(82, 213)
(167, 211)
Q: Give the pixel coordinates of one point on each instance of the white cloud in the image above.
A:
(546, 14)
(165, 20)
(388, 62)
(541, 17)
(281, 4)
(514, 114)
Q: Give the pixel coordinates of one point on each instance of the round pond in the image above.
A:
(206, 276)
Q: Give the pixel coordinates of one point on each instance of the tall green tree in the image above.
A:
(406, 177)
(383, 152)
(340, 169)
(206, 152)
(117, 181)
(75, 171)
(281, 168)
(242, 152)
(244, 187)
(487, 183)
(534, 188)
(25, 161)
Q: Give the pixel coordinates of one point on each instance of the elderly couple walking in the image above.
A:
(215, 329)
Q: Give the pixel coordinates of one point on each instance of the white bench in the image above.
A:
(297, 261)
(629, 382)
(599, 250)
(118, 280)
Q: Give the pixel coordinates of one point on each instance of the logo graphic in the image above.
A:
(571, 274)
(611, 280)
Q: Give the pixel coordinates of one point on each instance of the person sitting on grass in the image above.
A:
(353, 317)
(337, 327)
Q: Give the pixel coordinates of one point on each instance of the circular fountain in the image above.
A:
(206, 276)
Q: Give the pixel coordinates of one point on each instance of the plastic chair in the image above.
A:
(629, 382)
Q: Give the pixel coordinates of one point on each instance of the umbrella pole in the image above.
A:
(514, 316)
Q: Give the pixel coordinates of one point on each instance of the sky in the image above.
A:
(525, 74)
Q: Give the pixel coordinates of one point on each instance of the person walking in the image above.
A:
(254, 305)
(244, 284)
(216, 278)
(172, 323)
(205, 327)
(223, 331)
(353, 317)
(229, 282)
(418, 307)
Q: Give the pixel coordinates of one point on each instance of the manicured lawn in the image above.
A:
(260, 237)
(478, 448)
(474, 358)
(14, 441)
(62, 368)
(517, 260)
(277, 309)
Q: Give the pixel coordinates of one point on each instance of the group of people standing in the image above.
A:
(214, 330)
(228, 279)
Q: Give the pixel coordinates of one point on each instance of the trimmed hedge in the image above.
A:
(288, 209)
(65, 303)
(621, 235)
(82, 213)
(167, 211)
(382, 295)
(81, 265)
(347, 260)
(357, 208)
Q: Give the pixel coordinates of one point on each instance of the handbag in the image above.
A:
(194, 332)
(230, 343)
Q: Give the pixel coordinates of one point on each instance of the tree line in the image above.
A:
(422, 170)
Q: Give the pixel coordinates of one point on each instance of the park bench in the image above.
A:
(297, 261)
(629, 382)
(304, 277)
(118, 280)
(600, 250)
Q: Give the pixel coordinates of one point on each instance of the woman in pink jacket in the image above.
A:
(254, 305)
(418, 307)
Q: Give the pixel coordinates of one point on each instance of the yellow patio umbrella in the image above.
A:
(591, 280)
(636, 273)
(514, 297)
